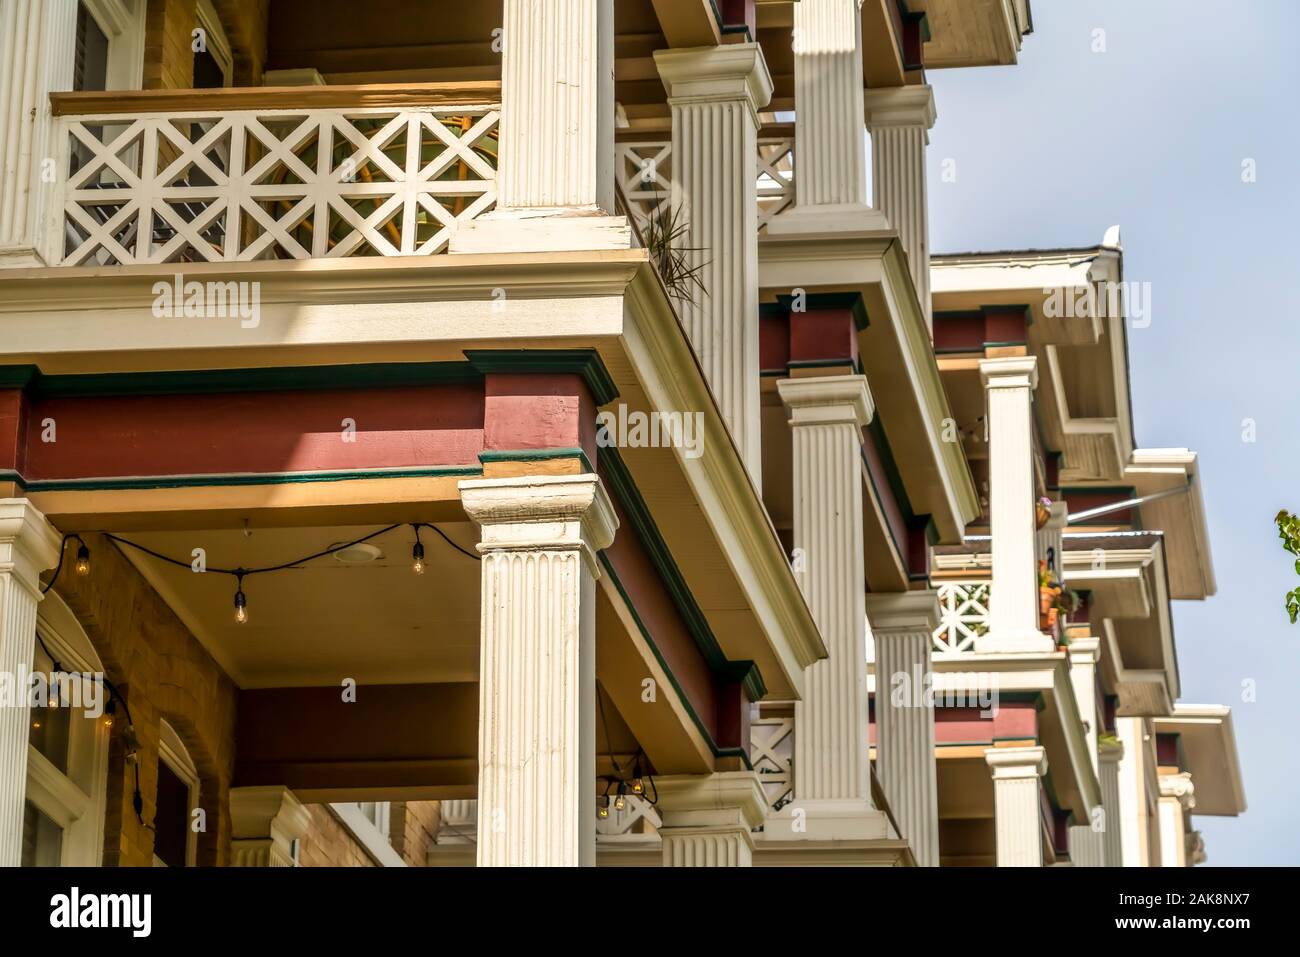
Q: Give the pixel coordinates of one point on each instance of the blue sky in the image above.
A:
(1151, 134)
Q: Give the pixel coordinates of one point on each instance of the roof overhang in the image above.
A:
(896, 356)
(1076, 328)
(965, 33)
(1210, 747)
(322, 312)
(1125, 574)
(1181, 517)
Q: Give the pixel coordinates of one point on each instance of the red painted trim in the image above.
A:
(1013, 719)
(773, 340)
(894, 517)
(13, 429)
(959, 332)
(1005, 325)
(822, 335)
(654, 606)
(528, 411)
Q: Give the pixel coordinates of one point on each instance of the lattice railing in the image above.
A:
(771, 751)
(964, 608)
(645, 173)
(237, 185)
(638, 816)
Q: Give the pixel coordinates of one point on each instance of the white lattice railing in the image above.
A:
(964, 609)
(771, 752)
(645, 172)
(638, 817)
(237, 185)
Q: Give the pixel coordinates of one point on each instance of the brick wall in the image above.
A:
(412, 826)
(168, 58)
(163, 673)
(328, 843)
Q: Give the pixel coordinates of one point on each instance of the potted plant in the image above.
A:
(1042, 511)
(1049, 593)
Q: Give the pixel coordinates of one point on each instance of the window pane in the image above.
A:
(42, 839)
(207, 72)
(50, 726)
(90, 70)
(172, 822)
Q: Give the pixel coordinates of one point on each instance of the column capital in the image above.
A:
(29, 544)
(827, 400)
(1010, 372)
(1179, 787)
(531, 512)
(733, 71)
(264, 823)
(900, 106)
(1110, 752)
(1084, 651)
(904, 612)
(1008, 764)
(725, 798)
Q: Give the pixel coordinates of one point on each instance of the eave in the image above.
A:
(1210, 746)
(897, 359)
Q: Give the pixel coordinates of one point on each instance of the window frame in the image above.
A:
(173, 753)
(123, 22)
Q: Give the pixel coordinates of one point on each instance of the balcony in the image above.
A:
(238, 175)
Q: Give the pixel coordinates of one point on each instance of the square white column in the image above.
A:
(715, 94)
(709, 819)
(1139, 833)
(902, 626)
(36, 59)
(265, 821)
(537, 666)
(1177, 798)
(1017, 804)
(28, 546)
(1013, 600)
(1108, 760)
(900, 120)
(830, 167)
(555, 172)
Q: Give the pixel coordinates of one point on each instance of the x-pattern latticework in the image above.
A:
(964, 615)
(273, 184)
(771, 752)
(645, 172)
(775, 178)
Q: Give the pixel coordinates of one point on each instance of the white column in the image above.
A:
(899, 120)
(1134, 801)
(1177, 798)
(265, 821)
(1087, 840)
(708, 819)
(1013, 599)
(1108, 759)
(458, 822)
(902, 626)
(830, 136)
(28, 546)
(715, 94)
(832, 789)
(37, 38)
(1017, 805)
(555, 175)
(537, 671)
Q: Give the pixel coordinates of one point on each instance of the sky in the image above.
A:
(1147, 125)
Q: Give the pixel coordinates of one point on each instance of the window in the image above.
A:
(67, 757)
(109, 53)
(214, 65)
(90, 68)
(175, 842)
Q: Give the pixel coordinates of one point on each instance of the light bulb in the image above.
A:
(619, 803)
(241, 607)
(601, 812)
(417, 559)
(83, 560)
(638, 786)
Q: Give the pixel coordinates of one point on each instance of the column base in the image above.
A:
(846, 218)
(772, 852)
(538, 230)
(1017, 642)
(18, 257)
(828, 820)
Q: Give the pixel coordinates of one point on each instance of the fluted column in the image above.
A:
(715, 94)
(1017, 807)
(1087, 840)
(265, 821)
(1013, 600)
(28, 546)
(36, 57)
(708, 819)
(902, 626)
(1108, 758)
(831, 763)
(1138, 834)
(555, 171)
(900, 119)
(458, 822)
(1177, 798)
(830, 169)
(537, 671)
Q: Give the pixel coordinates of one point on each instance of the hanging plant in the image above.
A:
(1042, 511)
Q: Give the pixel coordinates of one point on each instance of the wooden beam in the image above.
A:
(688, 23)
